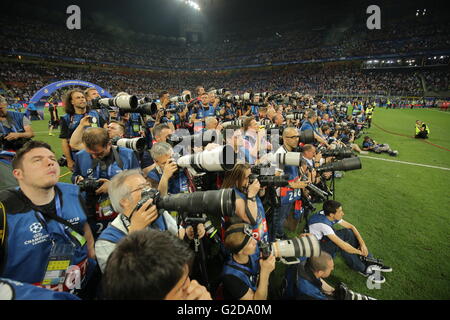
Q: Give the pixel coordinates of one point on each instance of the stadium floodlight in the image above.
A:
(192, 4)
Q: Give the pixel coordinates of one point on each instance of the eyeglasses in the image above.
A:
(141, 187)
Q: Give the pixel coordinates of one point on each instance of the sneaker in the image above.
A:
(380, 268)
(375, 278)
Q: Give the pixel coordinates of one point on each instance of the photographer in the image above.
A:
(133, 123)
(125, 191)
(91, 94)
(311, 124)
(206, 109)
(249, 207)
(164, 176)
(373, 146)
(15, 128)
(347, 241)
(255, 139)
(97, 164)
(245, 274)
(46, 222)
(305, 279)
(290, 196)
(151, 265)
(422, 130)
(76, 109)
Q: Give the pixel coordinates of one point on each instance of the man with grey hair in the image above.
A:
(305, 279)
(125, 191)
(15, 128)
(165, 176)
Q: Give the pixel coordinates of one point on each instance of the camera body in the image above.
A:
(89, 185)
(62, 161)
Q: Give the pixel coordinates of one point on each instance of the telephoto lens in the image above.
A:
(124, 102)
(219, 159)
(307, 246)
(342, 292)
(136, 144)
(237, 123)
(214, 202)
(183, 98)
(341, 165)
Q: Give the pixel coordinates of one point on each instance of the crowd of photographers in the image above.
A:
(193, 196)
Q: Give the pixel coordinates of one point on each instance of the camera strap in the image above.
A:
(2, 236)
(249, 214)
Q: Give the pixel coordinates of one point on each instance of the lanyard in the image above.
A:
(41, 219)
(67, 231)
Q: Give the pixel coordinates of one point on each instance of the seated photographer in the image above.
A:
(15, 128)
(290, 196)
(249, 207)
(46, 222)
(304, 281)
(245, 275)
(422, 130)
(125, 192)
(7, 179)
(164, 176)
(347, 241)
(151, 265)
(346, 138)
(97, 164)
(371, 145)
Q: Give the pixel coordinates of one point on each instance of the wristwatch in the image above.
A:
(252, 198)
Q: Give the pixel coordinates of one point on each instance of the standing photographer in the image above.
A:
(245, 274)
(15, 128)
(97, 164)
(290, 196)
(76, 108)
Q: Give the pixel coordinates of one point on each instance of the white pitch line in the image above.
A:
(410, 163)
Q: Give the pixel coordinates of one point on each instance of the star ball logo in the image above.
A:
(36, 227)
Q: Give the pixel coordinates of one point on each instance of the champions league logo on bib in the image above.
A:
(36, 227)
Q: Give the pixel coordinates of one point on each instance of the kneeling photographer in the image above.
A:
(94, 167)
(134, 213)
(245, 275)
(305, 281)
(249, 207)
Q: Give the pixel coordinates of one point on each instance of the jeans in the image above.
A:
(352, 260)
(279, 217)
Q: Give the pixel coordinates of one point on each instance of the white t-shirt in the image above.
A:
(321, 230)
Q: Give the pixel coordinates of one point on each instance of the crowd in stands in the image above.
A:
(22, 80)
(223, 51)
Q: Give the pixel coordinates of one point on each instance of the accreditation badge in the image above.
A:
(58, 263)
